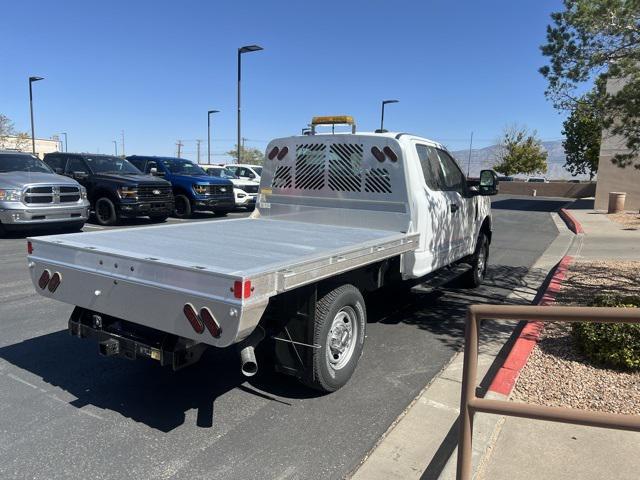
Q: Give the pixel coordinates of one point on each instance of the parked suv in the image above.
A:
(31, 194)
(244, 191)
(246, 172)
(192, 187)
(115, 187)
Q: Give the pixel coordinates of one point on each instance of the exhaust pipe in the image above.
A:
(248, 362)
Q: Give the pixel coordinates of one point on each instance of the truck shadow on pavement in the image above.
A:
(161, 398)
(141, 390)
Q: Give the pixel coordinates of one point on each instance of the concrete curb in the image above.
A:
(574, 225)
(506, 378)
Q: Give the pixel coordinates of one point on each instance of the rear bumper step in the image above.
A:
(114, 340)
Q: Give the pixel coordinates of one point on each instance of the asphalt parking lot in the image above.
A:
(65, 412)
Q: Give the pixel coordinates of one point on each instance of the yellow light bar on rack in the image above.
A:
(333, 120)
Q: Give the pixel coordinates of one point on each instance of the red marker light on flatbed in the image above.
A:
(29, 248)
(242, 289)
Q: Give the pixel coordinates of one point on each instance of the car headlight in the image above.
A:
(128, 192)
(201, 189)
(10, 195)
(83, 193)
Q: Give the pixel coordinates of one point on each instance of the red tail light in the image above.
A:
(283, 153)
(29, 248)
(391, 154)
(55, 282)
(377, 153)
(273, 153)
(44, 279)
(242, 289)
(210, 322)
(194, 319)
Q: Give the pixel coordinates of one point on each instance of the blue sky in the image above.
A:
(153, 69)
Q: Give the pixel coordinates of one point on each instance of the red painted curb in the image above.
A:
(505, 379)
(574, 225)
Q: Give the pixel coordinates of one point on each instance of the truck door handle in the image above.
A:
(454, 207)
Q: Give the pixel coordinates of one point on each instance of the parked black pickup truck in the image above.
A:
(115, 187)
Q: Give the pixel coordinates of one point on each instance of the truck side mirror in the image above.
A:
(488, 183)
(58, 170)
(79, 175)
(153, 171)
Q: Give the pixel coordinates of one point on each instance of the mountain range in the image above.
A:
(486, 157)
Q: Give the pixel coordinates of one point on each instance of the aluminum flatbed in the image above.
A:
(146, 275)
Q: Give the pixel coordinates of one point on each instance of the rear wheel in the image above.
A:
(339, 329)
(158, 218)
(475, 276)
(75, 227)
(106, 213)
(183, 206)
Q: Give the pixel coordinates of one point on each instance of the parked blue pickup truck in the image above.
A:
(193, 189)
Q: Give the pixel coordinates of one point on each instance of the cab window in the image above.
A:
(56, 162)
(429, 162)
(138, 163)
(75, 164)
(452, 176)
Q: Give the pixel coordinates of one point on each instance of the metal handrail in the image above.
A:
(470, 404)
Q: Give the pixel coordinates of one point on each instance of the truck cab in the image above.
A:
(115, 188)
(193, 189)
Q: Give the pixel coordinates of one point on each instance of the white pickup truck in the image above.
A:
(338, 216)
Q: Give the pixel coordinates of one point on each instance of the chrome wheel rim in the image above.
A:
(342, 338)
(482, 262)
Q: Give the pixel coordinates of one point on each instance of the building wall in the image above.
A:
(612, 178)
(43, 145)
(551, 189)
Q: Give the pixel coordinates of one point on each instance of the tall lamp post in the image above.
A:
(66, 148)
(241, 50)
(384, 102)
(209, 134)
(33, 133)
(115, 147)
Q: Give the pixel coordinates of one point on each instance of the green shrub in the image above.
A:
(609, 344)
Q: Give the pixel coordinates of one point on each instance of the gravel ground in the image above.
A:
(626, 219)
(557, 375)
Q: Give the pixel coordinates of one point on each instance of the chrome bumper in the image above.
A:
(15, 213)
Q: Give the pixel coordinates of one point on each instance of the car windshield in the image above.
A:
(222, 173)
(22, 163)
(182, 167)
(108, 164)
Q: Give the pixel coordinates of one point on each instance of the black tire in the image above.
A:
(475, 276)
(183, 206)
(221, 213)
(2, 230)
(251, 208)
(159, 218)
(334, 312)
(106, 213)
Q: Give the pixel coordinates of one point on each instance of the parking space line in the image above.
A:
(93, 226)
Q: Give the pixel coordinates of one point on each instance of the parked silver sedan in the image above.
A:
(31, 195)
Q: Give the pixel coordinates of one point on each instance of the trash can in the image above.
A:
(616, 202)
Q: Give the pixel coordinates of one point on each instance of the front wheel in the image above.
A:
(183, 206)
(339, 330)
(475, 276)
(106, 213)
(158, 218)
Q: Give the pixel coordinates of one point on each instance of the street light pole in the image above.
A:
(115, 146)
(66, 147)
(33, 132)
(241, 50)
(209, 134)
(384, 102)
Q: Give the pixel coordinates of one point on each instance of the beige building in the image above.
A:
(23, 144)
(612, 178)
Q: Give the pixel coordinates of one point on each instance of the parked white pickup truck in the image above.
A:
(339, 216)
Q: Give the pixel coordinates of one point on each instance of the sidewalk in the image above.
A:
(533, 449)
